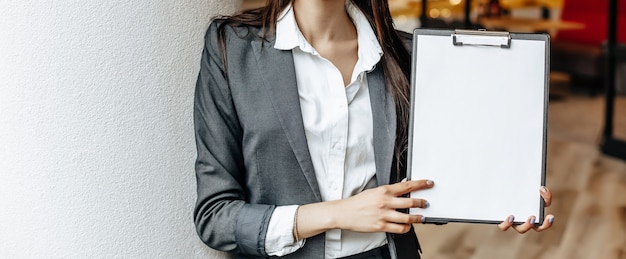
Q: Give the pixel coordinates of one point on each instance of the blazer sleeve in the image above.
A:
(223, 219)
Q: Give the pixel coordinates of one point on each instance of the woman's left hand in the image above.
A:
(530, 222)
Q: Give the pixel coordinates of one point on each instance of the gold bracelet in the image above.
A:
(295, 225)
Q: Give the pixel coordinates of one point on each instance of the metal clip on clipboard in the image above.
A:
(481, 38)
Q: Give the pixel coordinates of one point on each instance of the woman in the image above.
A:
(301, 116)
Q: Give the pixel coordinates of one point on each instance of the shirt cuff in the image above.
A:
(279, 239)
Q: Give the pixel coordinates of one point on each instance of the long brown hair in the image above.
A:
(395, 61)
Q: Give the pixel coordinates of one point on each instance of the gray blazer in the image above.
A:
(252, 149)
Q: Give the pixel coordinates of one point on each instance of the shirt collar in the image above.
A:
(287, 32)
(288, 36)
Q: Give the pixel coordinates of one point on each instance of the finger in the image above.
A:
(507, 223)
(395, 228)
(402, 218)
(546, 195)
(528, 225)
(401, 188)
(406, 203)
(547, 223)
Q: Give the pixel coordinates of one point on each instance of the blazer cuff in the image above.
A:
(251, 228)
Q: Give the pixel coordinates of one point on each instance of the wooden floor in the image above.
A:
(589, 197)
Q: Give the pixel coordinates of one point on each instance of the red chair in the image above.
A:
(580, 52)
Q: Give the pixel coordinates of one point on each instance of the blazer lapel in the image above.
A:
(279, 78)
(402, 246)
(384, 118)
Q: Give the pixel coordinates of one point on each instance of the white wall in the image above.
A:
(96, 132)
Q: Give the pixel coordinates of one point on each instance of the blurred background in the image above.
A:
(586, 169)
(97, 144)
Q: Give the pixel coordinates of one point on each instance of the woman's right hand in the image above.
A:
(373, 210)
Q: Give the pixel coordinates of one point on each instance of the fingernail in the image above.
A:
(403, 180)
(532, 221)
(426, 205)
(544, 189)
(430, 182)
(423, 219)
(511, 219)
(551, 220)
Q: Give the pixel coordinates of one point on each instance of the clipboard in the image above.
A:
(478, 125)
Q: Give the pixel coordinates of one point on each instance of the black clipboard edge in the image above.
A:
(516, 36)
(444, 221)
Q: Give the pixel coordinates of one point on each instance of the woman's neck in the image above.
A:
(324, 20)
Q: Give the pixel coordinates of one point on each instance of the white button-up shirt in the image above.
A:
(339, 131)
